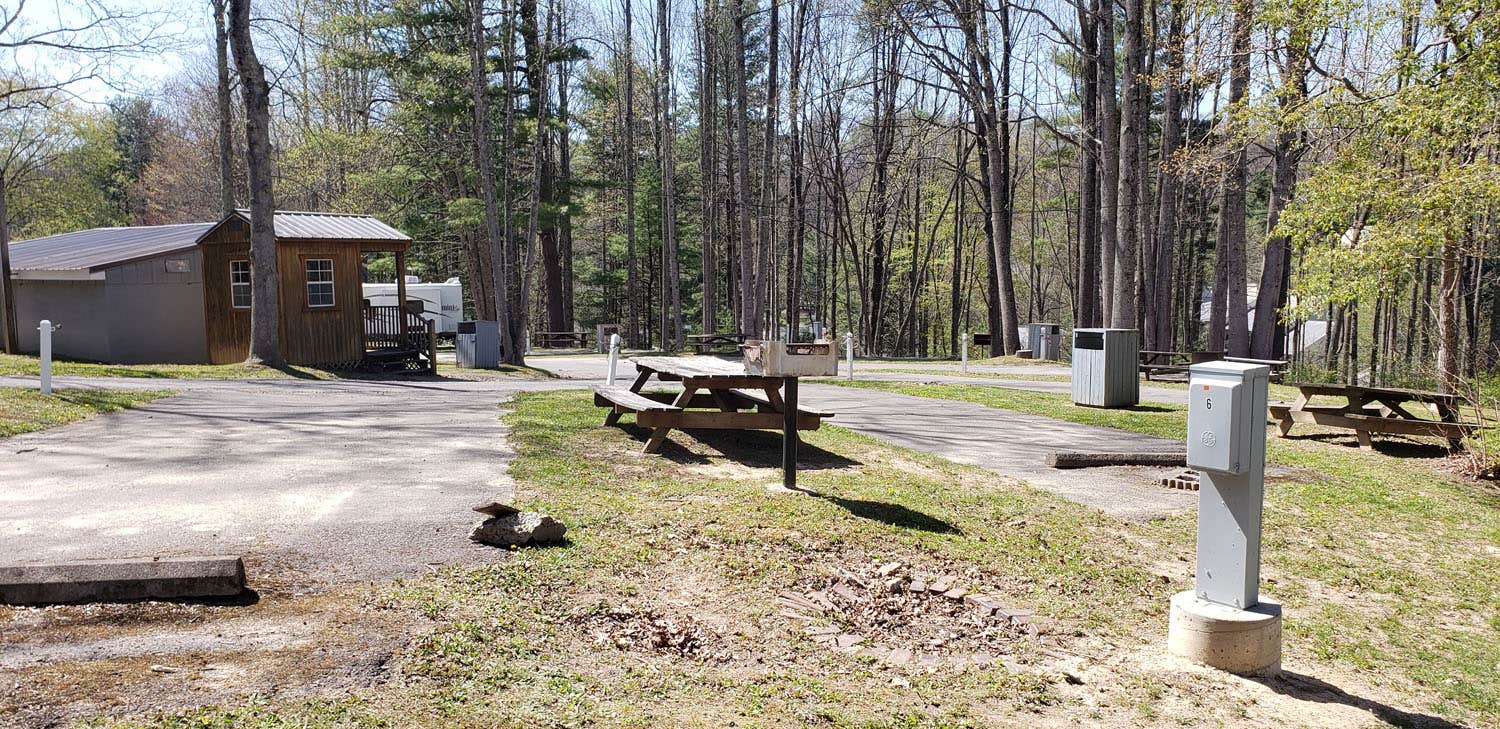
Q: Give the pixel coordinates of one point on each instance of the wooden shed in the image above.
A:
(197, 276)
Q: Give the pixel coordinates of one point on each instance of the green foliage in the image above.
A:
(77, 181)
(1409, 174)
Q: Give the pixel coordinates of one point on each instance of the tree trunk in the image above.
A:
(672, 295)
(265, 340)
(226, 114)
(750, 324)
(1109, 153)
(632, 279)
(1449, 360)
(1132, 141)
(1238, 344)
(8, 326)
(1158, 319)
(484, 160)
(1087, 304)
(708, 168)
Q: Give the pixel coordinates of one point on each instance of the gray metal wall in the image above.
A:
(141, 313)
(156, 314)
(77, 305)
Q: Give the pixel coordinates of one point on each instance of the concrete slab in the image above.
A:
(161, 578)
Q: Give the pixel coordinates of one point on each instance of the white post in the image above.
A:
(614, 358)
(849, 353)
(963, 350)
(46, 355)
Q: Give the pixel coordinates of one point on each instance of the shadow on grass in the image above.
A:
(1389, 445)
(753, 448)
(888, 513)
(1307, 688)
(1150, 409)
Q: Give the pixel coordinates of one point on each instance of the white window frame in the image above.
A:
(310, 282)
(236, 285)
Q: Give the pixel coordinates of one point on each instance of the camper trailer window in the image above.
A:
(239, 284)
(320, 282)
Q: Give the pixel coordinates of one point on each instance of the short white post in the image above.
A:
(46, 355)
(963, 351)
(614, 358)
(849, 353)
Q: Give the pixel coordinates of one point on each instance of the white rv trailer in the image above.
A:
(442, 303)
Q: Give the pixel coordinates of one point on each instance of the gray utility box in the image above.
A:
(1105, 367)
(477, 344)
(1226, 443)
(1044, 340)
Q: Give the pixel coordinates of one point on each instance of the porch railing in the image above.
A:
(392, 327)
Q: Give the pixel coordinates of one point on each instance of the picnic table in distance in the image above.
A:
(715, 394)
(704, 343)
(1371, 410)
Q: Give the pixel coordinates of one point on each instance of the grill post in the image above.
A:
(789, 433)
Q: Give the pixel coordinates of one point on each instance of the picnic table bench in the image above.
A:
(1371, 410)
(560, 340)
(715, 395)
(705, 343)
(1156, 362)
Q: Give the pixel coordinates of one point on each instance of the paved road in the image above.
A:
(332, 478)
(1011, 444)
(1002, 441)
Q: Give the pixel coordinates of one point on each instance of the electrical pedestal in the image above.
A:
(1224, 622)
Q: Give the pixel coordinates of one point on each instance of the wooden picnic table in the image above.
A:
(715, 394)
(1369, 410)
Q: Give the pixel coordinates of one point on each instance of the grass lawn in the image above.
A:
(14, 364)
(23, 410)
(662, 609)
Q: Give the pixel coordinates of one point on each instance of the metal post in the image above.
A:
(789, 433)
(849, 353)
(614, 358)
(46, 355)
(963, 341)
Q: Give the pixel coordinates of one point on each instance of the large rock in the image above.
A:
(514, 530)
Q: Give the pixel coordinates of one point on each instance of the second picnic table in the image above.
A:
(1368, 410)
(716, 395)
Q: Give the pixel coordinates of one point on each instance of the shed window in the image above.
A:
(239, 284)
(320, 282)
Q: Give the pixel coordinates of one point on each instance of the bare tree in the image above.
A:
(222, 98)
(265, 343)
(672, 334)
(484, 161)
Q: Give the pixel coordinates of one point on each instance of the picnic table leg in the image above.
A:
(789, 435)
(1365, 443)
(659, 435)
(1284, 425)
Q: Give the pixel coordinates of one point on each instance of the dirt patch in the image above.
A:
(65, 663)
(899, 614)
(651, 631)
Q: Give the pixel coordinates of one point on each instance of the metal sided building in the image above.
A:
(181, 293)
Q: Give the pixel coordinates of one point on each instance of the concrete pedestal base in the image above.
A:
(1247, 642)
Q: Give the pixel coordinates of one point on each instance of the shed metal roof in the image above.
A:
(102, 247)
(296, 224)
(97, 248)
